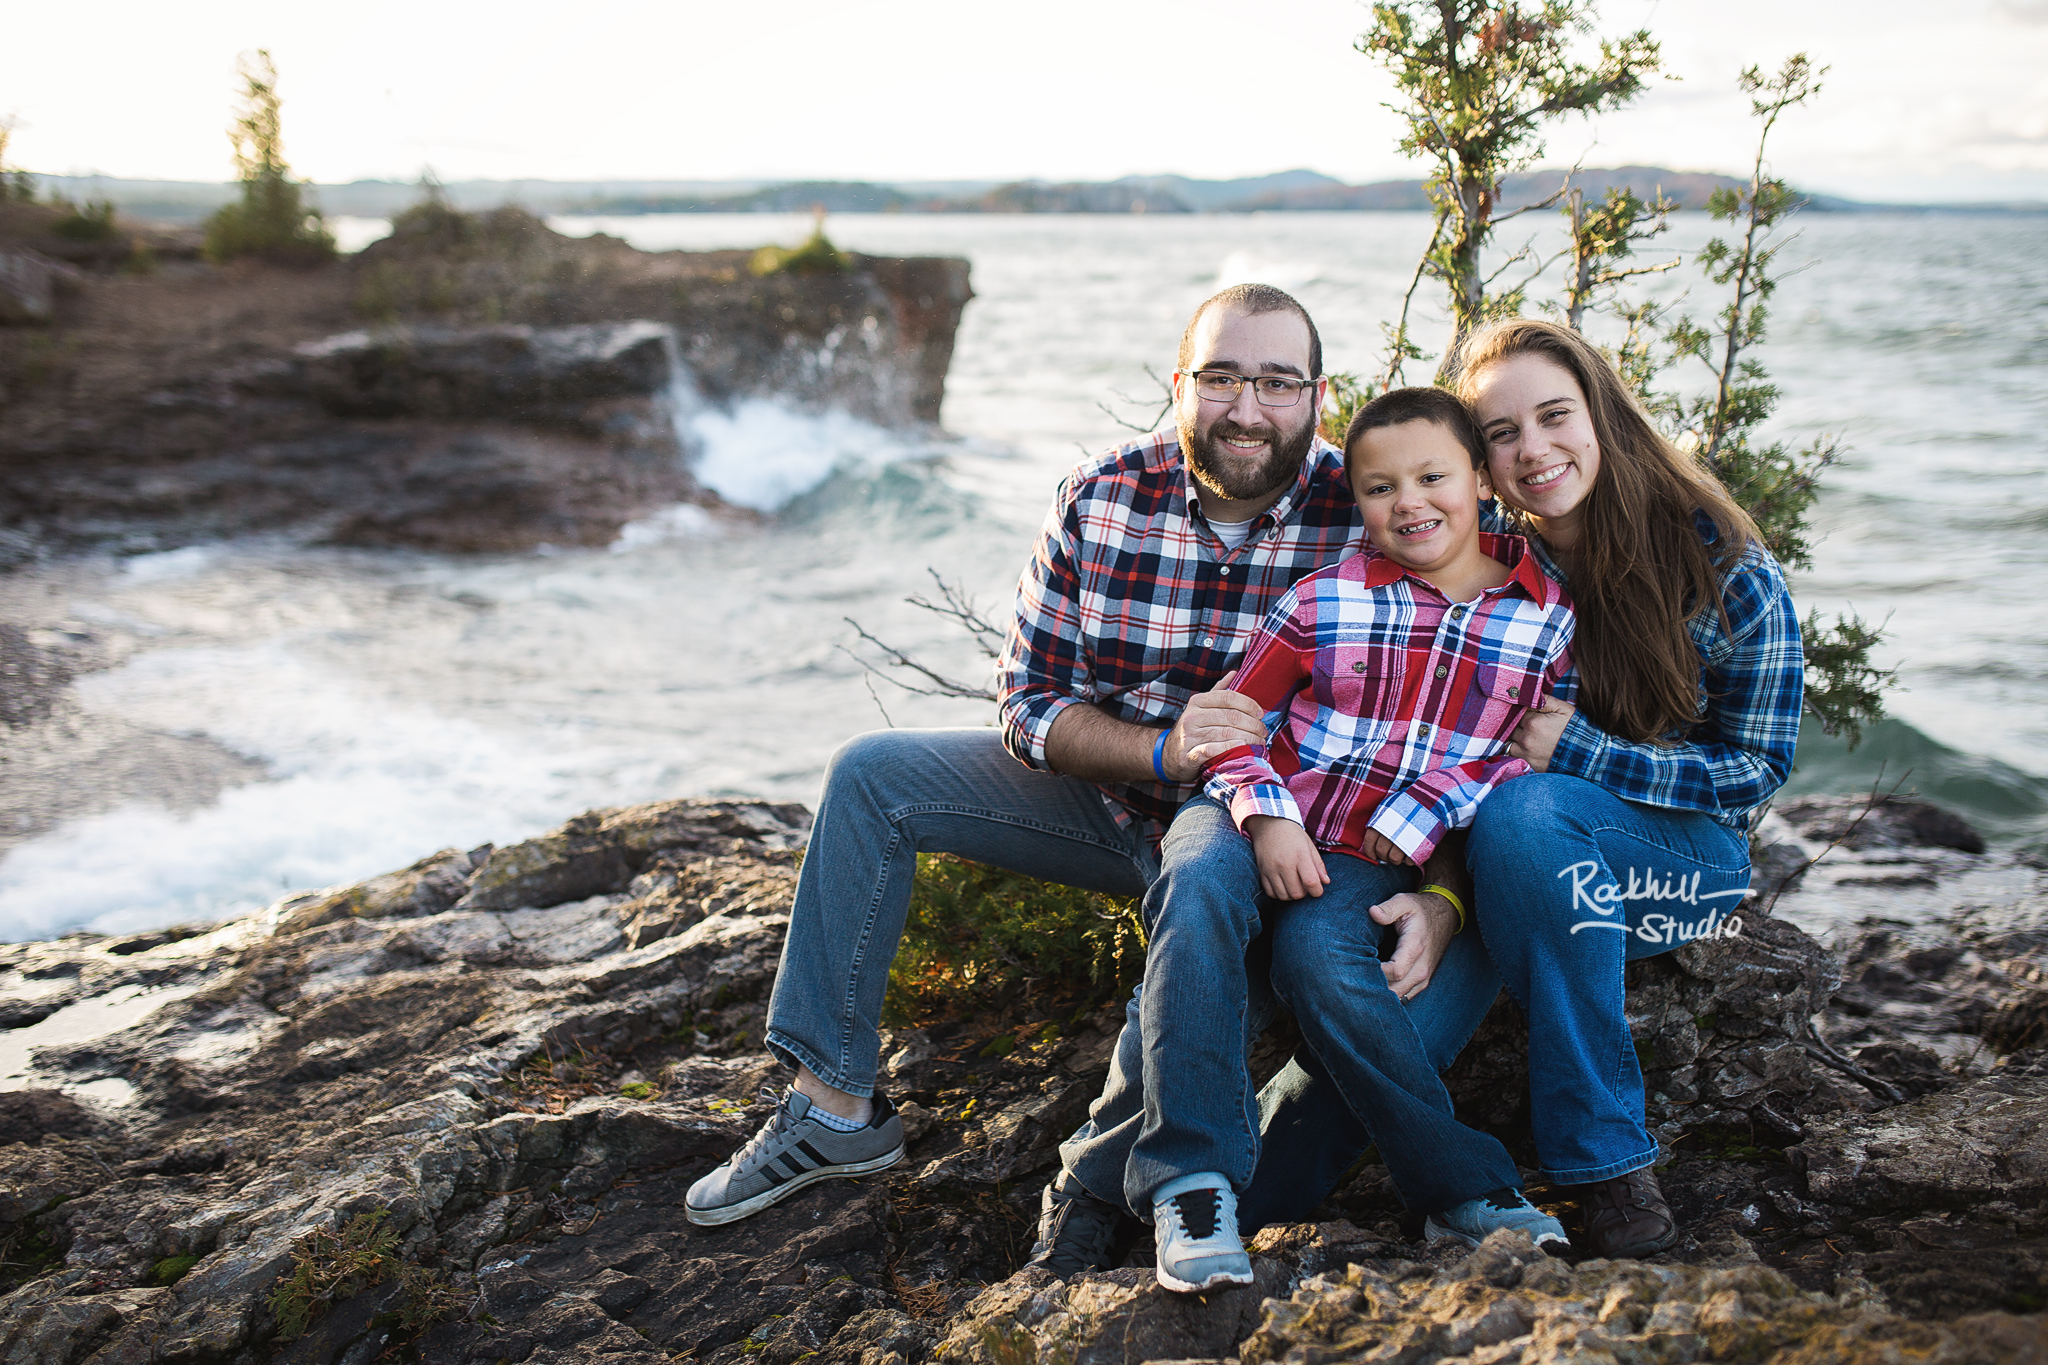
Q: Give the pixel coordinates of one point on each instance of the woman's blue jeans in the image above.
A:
(1572, 883)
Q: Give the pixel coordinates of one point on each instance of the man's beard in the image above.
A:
(1233, 480)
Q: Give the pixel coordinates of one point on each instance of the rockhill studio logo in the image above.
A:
(1608, 898)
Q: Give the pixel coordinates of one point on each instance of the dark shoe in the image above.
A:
(1626, 1217)
(1078, 1232)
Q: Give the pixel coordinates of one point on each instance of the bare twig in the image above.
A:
(1823, 1051)
(956, 606)
(1870, 803)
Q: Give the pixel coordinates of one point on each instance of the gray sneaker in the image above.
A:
(1472, 1220)
(792, 1150)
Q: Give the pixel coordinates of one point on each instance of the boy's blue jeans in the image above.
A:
(1572, 883)
(1179, 1098)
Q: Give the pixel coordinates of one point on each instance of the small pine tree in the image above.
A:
(16, 186)
(271, 220)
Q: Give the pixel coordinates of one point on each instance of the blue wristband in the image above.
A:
(1159, 755)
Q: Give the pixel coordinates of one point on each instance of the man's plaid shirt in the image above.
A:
(1131, 602)
(1389, 706)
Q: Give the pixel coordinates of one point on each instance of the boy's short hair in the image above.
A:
(1422, 403)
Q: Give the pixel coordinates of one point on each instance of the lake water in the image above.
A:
(401, 703)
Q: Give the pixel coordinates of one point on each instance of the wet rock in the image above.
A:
(1957, 1148)
(31, 1115)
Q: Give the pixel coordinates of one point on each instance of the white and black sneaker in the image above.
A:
(791, 1151)
(1194, 1220)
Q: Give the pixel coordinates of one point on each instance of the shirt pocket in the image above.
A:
(1358, 697)
(1503, 694)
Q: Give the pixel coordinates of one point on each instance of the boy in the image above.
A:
(1391, 682)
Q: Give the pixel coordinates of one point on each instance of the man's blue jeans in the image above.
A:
(1179, 1097)
(1547, 853)
(889, 796)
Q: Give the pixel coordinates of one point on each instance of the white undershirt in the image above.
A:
(1232, 533)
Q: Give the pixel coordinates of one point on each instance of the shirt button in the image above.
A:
(1422, 729)
(1358, 665)
(1208, 639)
(1514, 692)
(1225, 571)
(1442, 671)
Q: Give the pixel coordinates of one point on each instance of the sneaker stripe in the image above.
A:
(791, 1164)
(771, 1175)
(817, 1157)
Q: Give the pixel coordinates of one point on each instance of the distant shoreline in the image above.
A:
(1288, 191)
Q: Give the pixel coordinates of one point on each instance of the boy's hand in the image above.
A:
(1290, 868)
(1424, 926)
(1213, 724)
(1381, 849)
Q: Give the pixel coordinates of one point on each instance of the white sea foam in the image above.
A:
(684, 521)
(761, 453)
(359, 783)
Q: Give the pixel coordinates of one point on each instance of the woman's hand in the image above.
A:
(1535, 739)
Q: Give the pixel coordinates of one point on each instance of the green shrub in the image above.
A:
(981, 939)
(817, 256)
(92, 221)
(171, 1269)
(329, 1267)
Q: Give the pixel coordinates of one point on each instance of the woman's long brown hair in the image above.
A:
(1640, 570)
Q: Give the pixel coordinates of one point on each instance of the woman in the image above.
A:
(1631, 836)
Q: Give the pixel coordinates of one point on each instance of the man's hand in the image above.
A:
(1381, 849)
(1213, 724)
(1290, 868)
(1535, 739)
(1424, 925)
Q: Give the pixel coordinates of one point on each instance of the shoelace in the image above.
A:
(1620, 1194)
(769, 1131)
(1198, 1211)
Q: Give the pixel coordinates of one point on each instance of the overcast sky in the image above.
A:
(1925, 101)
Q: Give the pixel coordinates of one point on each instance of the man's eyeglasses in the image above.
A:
(1272, 390)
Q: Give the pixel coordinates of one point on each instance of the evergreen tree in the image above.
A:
(271, 220)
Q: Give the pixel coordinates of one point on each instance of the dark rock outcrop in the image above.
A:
(512, 387)
(519, 1059)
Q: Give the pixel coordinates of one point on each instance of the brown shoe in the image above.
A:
(1626, 1217)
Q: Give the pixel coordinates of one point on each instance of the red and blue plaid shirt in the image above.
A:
(1389, 706)
(1132, 603)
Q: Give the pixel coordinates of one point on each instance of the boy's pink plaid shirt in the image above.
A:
(1388, 706)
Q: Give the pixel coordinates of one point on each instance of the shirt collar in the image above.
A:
(1523, 569)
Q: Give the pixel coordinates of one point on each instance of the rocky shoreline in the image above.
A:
(510, 1063)
(471, 383)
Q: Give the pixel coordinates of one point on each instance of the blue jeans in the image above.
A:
(1541, 850)
(1179, 1097)
(889, 796)
(1574, 883)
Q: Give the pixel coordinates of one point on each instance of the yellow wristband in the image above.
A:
(1452, 897)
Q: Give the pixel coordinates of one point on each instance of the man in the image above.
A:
(1154, 567)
